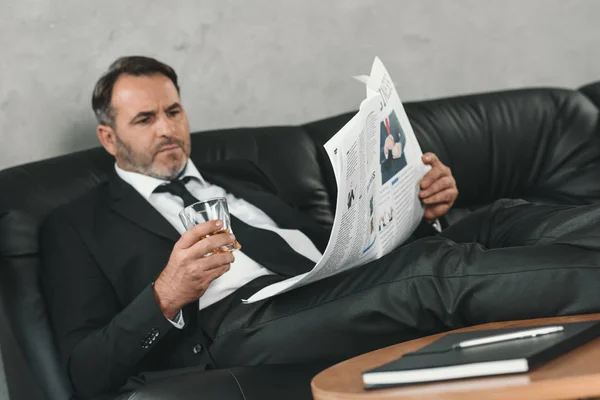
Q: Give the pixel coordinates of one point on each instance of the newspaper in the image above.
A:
(377, 164)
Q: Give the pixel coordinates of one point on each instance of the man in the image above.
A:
(129, 291)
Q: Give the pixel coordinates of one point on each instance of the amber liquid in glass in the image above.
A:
(234, 246)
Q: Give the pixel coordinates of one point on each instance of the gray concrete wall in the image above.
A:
(264, 62)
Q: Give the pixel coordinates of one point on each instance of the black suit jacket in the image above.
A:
(100, 255)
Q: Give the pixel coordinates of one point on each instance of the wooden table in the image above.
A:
(574, 375)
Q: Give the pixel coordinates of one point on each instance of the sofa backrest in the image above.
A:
(538, 144)
(592, 92)
(534, 144)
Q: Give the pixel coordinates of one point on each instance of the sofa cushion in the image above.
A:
(289, 157)
(537, 144)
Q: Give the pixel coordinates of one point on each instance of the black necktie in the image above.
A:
(262, 245)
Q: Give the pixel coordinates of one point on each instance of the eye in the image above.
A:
(174, 113)
(144, 121)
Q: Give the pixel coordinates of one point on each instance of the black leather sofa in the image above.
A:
(538, 144)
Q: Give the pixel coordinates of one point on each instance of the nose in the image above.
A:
(164, 126)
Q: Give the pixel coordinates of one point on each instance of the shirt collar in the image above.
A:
(145, 185)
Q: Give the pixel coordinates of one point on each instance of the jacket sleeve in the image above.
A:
(100, 341)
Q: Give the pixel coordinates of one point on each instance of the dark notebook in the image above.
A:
(441, 360)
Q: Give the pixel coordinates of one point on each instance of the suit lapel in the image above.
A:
(128, 203)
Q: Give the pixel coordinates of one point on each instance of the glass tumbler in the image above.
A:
(208, 210)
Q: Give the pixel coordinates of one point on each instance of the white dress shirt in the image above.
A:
(243, 269)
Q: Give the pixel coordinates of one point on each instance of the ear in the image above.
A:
(106, 135)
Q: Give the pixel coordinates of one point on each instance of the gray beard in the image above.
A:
(142, 163)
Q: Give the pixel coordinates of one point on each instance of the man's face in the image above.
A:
(151, 133)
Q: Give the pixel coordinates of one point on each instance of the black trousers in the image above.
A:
(513, 260)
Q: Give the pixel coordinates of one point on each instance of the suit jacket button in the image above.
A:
(197, 349)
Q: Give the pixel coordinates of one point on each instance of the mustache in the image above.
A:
(168, 142)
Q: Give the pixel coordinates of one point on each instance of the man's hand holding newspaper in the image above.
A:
(438, 188)
(386, 186)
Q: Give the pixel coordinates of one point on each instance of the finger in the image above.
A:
(447, 196)
(445, 182)
(210, 244)
(431, 159)
(192, 236)
(433, 175)
(435, 211)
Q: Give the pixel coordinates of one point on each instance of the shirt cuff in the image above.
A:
(178, 323)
